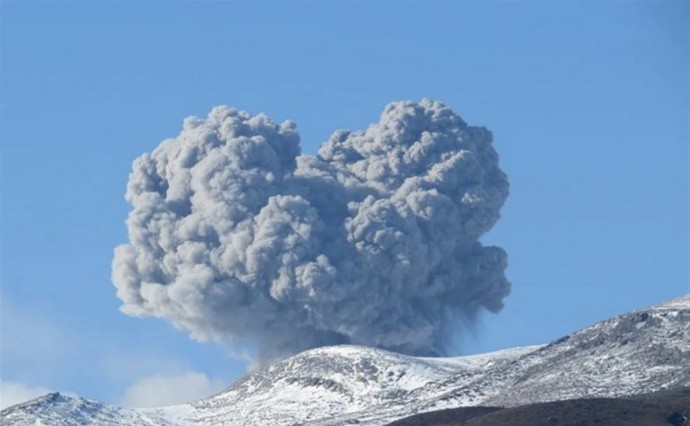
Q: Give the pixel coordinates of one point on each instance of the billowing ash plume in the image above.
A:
(373, 241)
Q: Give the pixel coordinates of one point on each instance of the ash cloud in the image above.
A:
(236, 236)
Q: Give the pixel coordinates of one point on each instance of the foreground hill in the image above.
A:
(632, 354)
(658, 408)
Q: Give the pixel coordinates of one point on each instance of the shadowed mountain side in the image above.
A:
(658, 408)
(452, 416)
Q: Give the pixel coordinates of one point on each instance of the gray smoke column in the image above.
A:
(236, 236)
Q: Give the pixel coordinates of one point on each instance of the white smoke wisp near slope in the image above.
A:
(235, 236)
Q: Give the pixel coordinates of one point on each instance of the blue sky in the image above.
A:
(588, 102)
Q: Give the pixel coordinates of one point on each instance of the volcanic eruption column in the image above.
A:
(236, 236)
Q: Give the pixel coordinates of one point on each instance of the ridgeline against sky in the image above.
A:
(234, 235)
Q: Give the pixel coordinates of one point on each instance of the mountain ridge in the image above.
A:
(633, 353)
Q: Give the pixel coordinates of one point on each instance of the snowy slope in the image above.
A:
(56, 409)
(634, 353)
(638, 352)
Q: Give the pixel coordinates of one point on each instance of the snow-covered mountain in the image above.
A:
(638, 352)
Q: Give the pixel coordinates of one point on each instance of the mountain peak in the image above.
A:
(679, 303)
(638, 352)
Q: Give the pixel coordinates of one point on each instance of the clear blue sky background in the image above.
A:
(588, 102)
